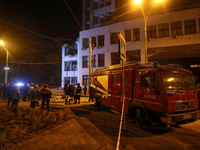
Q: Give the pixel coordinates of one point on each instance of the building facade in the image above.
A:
(173, 35)
(69, 64)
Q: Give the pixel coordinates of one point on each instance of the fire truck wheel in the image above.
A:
(139, 118)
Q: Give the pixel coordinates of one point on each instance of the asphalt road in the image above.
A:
(186, 136)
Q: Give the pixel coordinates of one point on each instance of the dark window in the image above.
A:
(85, 43)
(67, 66)
(101, 40)
(94, 60)
(145, 80)
(66, 80)
(128, 35)
(74, 65)
(102, 3)
(74, 80)
(101, 61)
(163, 30)
(151, 31)
(108, 2)
(85, 61)
(70, 51)
(136, 34)
(176, 28)
(102, 18)
(115, 58)
(95, 5)
(95, 20)
(190, 26)
(114, 38)
(85, 79)
(94, 41)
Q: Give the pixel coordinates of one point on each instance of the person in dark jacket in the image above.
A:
(34, 96)
(85, 90)
(5, 91)
(46, 95)
(78, 94)
(67, 92)
(10, 93)
(71, 92)
(16, 96)
(24, 91)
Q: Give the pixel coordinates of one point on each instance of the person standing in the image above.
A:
(30, 88)
(10, 93)
(34, 96)
(46, 95)
(16, 96)
(67, 92)
(71, 92)
(78, 94)
(5, 91)
(85, 90)
(24, 91)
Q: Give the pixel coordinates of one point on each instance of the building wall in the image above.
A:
(182, 40)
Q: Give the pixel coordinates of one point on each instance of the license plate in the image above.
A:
(187, 116)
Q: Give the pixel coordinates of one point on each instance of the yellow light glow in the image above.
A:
(1, 42)
(158, 0)
(170, 87)
(138, 1)
(170, 79)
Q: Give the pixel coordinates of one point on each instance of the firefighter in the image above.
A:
(67, 92)
(46, 95)
(78, 94)
(34, 96)
(71, 92)
(16, 96)
(85, 90)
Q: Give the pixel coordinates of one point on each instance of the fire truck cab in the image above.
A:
(161, 95)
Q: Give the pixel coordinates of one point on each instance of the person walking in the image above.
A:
(78, 93)
(85, 90)
(67, 93)
(34, 96)
(46, 95)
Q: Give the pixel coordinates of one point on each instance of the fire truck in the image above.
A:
(159, 95)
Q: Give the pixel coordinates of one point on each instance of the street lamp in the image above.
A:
(145, 60)
(6, 72)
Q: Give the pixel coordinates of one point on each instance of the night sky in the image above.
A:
(48, 17)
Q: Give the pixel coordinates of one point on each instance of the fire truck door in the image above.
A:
(115, 91)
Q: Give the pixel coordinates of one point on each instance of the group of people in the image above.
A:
(13, 93)
(72, 92)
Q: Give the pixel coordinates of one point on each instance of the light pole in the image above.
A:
(145, 60)
(6, 69)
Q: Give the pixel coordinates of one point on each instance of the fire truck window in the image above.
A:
(145, 80)
(155, 83)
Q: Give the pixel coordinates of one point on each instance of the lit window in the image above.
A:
(190, 26)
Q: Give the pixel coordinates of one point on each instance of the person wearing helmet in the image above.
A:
(46, 95)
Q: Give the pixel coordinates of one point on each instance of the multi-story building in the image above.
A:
(173, 33)
(69, 64)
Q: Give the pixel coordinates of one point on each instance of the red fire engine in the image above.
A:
(162, 95)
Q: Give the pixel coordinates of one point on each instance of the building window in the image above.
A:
(70, 51)
(74, 65)
(66, 80)
(102, 3)
(163, 30)
(85, 61)
(101, 40)
(94, 41)
(151, 31)
(85, 43)
(85, 79)
(95, 5)
(190, 26)
(128, 35)
(108, 2)
(95, 20)
(74, 80)
(136, 34)
(114, 38)
(115, 58)
(102, 18)
(67, 66)
(101, 60)
(176, 28)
